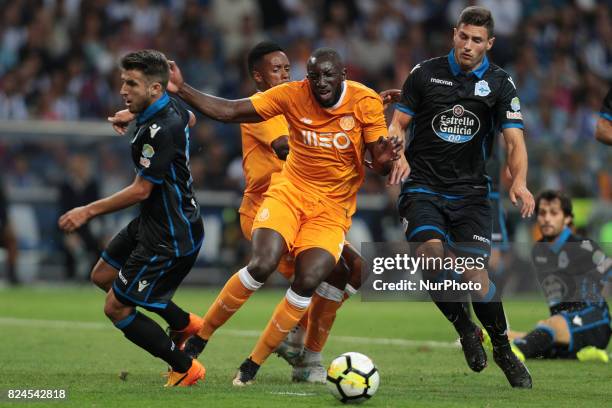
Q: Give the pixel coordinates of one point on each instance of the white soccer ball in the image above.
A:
(352, 378)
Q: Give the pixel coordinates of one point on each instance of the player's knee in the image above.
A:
(339, 276)
(433, 249)
(113, 309)
(305, 285)
(260, 267)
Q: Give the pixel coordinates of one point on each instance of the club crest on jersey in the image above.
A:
(456, 125)
(482, 88)
(263, 214)
(153, 129)
(347, 123)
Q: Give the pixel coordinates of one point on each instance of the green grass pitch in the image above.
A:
(58, 337)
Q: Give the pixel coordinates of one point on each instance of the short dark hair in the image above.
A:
(258, 52)
(327, 52)
(152, 63)
(477, 16)
(550, 195)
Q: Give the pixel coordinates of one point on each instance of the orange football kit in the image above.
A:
(311, 200)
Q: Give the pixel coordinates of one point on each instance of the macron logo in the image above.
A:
(153, 129)
(441, 82)
(306, 121)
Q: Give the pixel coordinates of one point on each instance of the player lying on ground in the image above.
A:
(157, 249)
(308, 207)
(572, 271)
(455, 104)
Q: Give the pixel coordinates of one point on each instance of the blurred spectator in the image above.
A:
(58, 61)
(82, 248)
(8, 241)
(12, 102)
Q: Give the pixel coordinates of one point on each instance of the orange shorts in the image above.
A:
(303, 219)
(286, 266)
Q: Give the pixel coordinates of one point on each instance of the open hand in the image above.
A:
(520, 192)
(399, 172)
(176, 81)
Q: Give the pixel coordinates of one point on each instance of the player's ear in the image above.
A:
(343, 74)
(257, 77)
(156, 89)
(490, 42)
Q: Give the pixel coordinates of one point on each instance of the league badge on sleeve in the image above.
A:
(147, 153)
(482, 88)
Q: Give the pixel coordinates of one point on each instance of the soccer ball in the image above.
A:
(352, 378)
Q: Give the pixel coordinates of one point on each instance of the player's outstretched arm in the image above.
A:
(136, 192)
(603, 131)
(224, 110)
(517, 163)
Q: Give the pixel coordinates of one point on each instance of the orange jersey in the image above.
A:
(327, 145)
(259, 160)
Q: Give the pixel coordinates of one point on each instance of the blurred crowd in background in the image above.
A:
(58, 62)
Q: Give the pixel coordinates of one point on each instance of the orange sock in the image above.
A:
(285, 317)
(322, 314)
(234, 294)
(303, 323)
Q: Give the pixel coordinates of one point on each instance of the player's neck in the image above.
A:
(471, 69)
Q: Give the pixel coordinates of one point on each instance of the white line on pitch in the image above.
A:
(66, 324)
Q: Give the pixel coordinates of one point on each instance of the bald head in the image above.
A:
(326, 54)
(326, 74)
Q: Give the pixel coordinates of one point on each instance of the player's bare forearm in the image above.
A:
(224, 110)
(603, 131)
(138, 191)
(517, 163)
(399, 125)
(516, 155)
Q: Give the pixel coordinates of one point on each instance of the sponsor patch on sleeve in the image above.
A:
(514, 115)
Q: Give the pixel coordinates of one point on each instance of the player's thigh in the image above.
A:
(422, 217)
(150, 280)
(470, 225)
(280, 212)
(120, 247)
(286, 266)
(325, 228)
